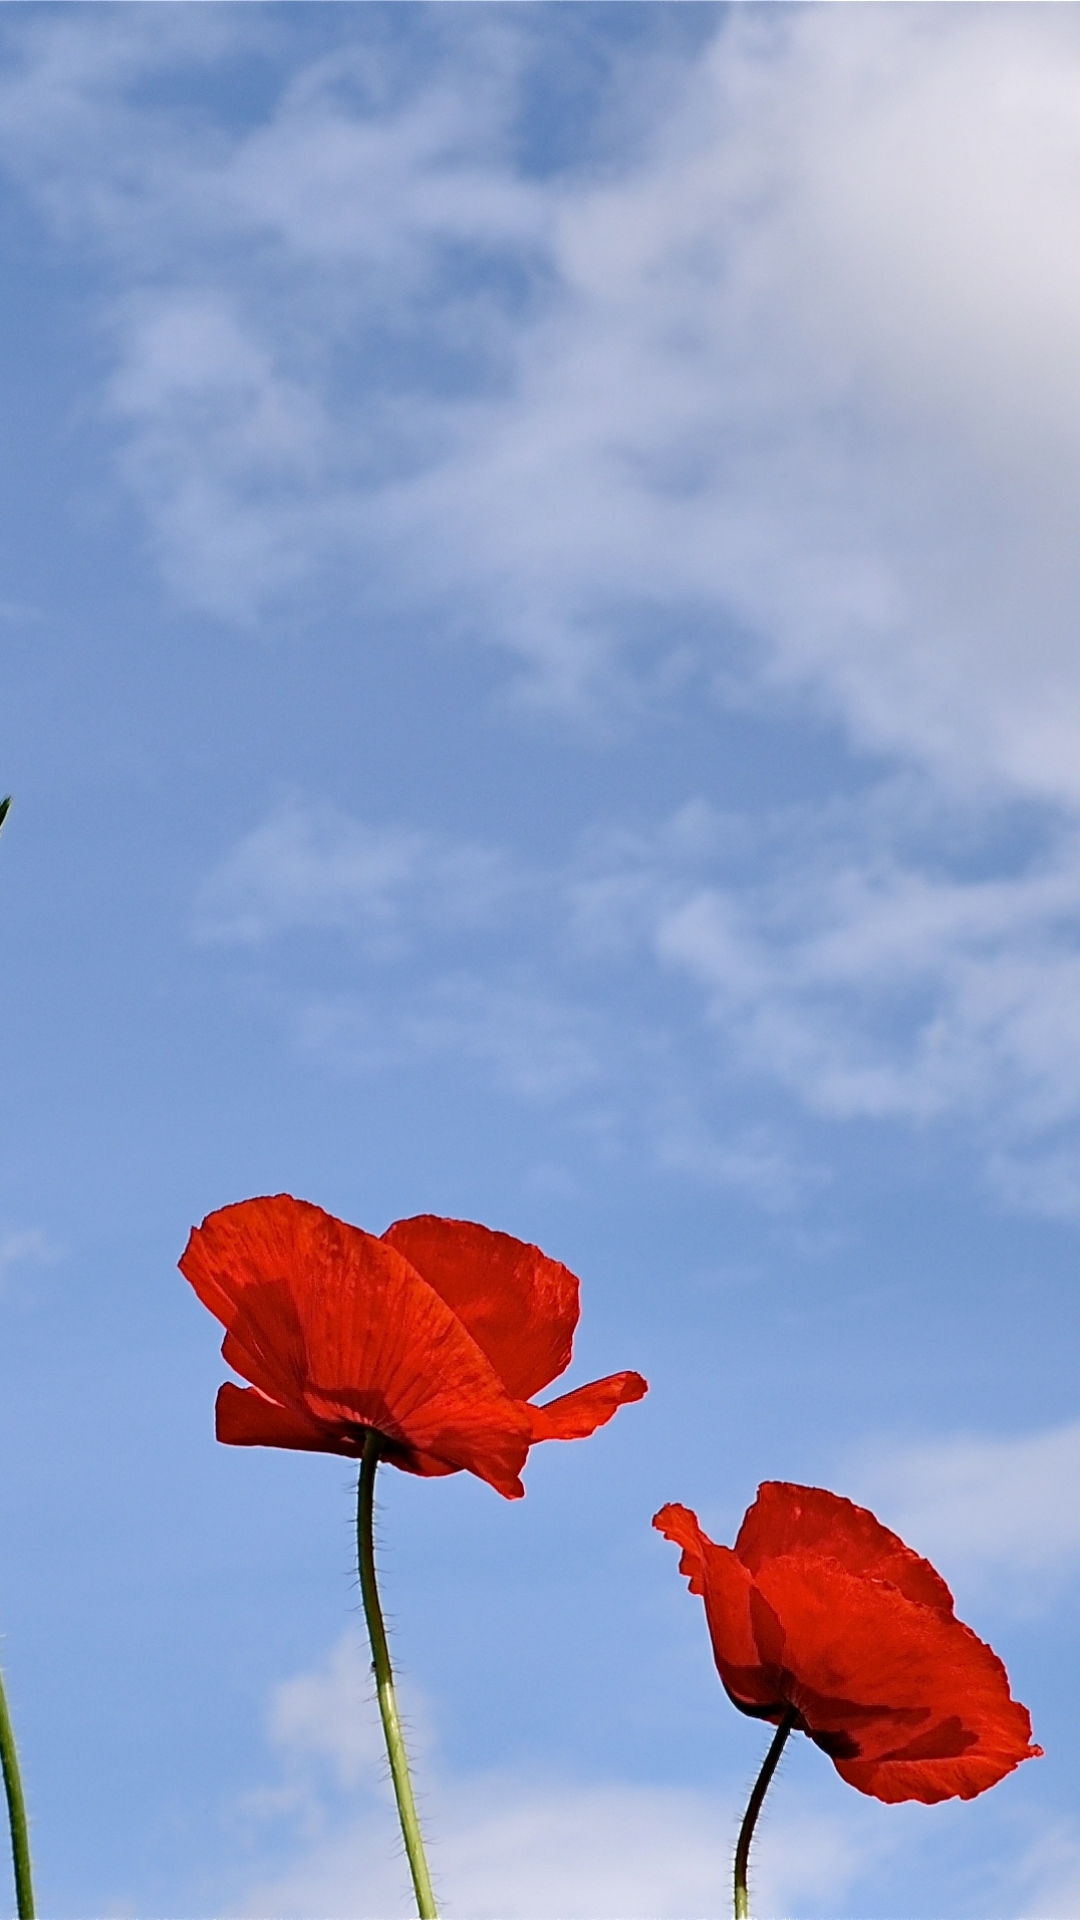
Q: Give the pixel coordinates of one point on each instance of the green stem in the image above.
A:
(753, 1808)
(384, 1684)
(20, 1835)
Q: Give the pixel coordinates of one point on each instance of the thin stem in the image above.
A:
(753, 1808)
(384, 1684)
(20, 1835)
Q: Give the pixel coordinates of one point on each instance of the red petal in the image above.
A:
(922, 1701)
(246, 1418)
(336, 1325)
(727, 1589)
(573, 1416)
(893, 1781)
(832, 1614)
(520, 1307)
(680, 1525)
(788, 1519)
(427, 1466)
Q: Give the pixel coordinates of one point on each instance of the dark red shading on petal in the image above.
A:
(520, 1307)
(244, 1417)
(822, 1609)
(425, 1464)
(339, 1329)
(573, 1416)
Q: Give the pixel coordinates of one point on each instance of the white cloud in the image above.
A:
(875, 985)
(514, 1851)
(1000, 1514)
(313, 866)
(1049, 1875)
(789, 358)
(323, 1728)
(459, 954)
(506, 1847)
(511, 1851)
(812, 372)
(305, 867)
(753, 1160)
(330, 1714)
(883, 958)
(798, 356)
(880, 960)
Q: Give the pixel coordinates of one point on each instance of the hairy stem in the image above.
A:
(16, 1805)
(753, 1808)
(384, 1684)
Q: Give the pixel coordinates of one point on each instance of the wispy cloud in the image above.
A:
(878, 960)
(771, 398)
(529, 976)
(999, 1512)
(25, 1246)
(527, 1038)
(509, 1850)
(1048, 1878)
(790, 360)
(311, 866)
(878, 985)
(510, 1847)
(329, 1714)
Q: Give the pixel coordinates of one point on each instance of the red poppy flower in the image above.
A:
(820, 1610)
(436, 1336)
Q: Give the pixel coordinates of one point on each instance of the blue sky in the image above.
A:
(540, 684)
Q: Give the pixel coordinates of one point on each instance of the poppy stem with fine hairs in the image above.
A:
(16, 1805)
(753, 1808)
(384, 1684)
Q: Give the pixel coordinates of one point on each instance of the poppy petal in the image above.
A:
(910, 1778)
(244, 1417)
(907, 1702)
(788, 1519)
(727, 1589)
(679, 1525)
(410, 1460)
(922, 1700)
(335, 1324)
(573, 1416)
(265, 1340)
(520, 1307)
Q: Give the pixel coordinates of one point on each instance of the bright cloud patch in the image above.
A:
(833, 957)
(796, 361)
(314, 867)
(876, 987)
(767, 393)
(329, 1714)
(1000, 1511)
(512, 1848)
